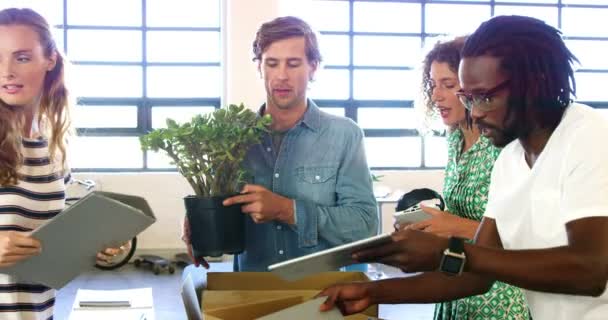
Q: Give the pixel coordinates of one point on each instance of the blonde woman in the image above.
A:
(34, 122)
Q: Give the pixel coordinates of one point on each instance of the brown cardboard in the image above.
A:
(269, 281)
(221, 299)
(249, 295)
(251, 311)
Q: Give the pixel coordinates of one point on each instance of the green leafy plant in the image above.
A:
(377, 178)
(209, 150)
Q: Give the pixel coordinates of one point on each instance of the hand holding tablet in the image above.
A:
(411, 215)
(326, 260)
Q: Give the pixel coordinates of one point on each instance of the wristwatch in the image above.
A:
(453, 259)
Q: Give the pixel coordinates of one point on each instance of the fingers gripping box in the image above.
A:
(252, 295)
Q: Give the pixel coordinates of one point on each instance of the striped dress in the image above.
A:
(465, 189)
(38, 197)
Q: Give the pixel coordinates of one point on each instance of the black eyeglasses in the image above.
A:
(481, 100)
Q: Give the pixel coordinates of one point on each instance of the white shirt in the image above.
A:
(531, 206)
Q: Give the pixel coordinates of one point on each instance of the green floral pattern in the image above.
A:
(465, 189)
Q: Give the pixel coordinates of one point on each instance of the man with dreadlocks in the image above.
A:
(545, 227)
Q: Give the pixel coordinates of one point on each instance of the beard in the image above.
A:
(500, 137)
(517, 124)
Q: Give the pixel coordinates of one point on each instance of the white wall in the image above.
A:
(165, 191)
(243, 18)
(242, 80)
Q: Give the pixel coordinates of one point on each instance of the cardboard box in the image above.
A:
(250, 295)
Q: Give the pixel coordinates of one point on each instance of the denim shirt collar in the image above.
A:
(311, 118)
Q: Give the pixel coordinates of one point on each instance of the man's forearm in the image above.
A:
(430, 287)
(556, 270)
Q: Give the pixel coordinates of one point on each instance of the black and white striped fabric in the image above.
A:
(38, 197)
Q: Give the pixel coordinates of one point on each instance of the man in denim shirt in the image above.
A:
(311, 187)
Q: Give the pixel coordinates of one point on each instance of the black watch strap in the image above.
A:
(456, 245)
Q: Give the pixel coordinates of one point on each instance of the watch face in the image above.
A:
(451, 264)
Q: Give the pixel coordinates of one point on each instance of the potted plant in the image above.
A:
(208, 151)
(380, 191)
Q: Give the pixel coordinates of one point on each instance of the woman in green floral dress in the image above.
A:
(467, 178)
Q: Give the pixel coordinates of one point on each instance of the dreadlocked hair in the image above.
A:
(537, 61)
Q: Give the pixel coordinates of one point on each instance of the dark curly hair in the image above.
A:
(442, 52)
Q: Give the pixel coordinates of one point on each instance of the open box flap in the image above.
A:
(252, 310)
(269, 281)
(212, 300)
(243, 295)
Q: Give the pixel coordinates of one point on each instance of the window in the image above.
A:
(372, 52)
(134, 63)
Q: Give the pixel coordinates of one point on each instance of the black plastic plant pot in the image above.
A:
(214, 228)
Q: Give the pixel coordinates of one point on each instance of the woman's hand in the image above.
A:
(446, 224)
(107, 255)
(16, 246)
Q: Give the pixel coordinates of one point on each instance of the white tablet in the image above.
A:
(411, 215)
(326, 260)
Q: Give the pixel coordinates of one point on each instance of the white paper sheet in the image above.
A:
(140, 299)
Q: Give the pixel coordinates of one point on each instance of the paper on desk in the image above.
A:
(73, 237)
(114, 314)
(141, 305)
(139, 298)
